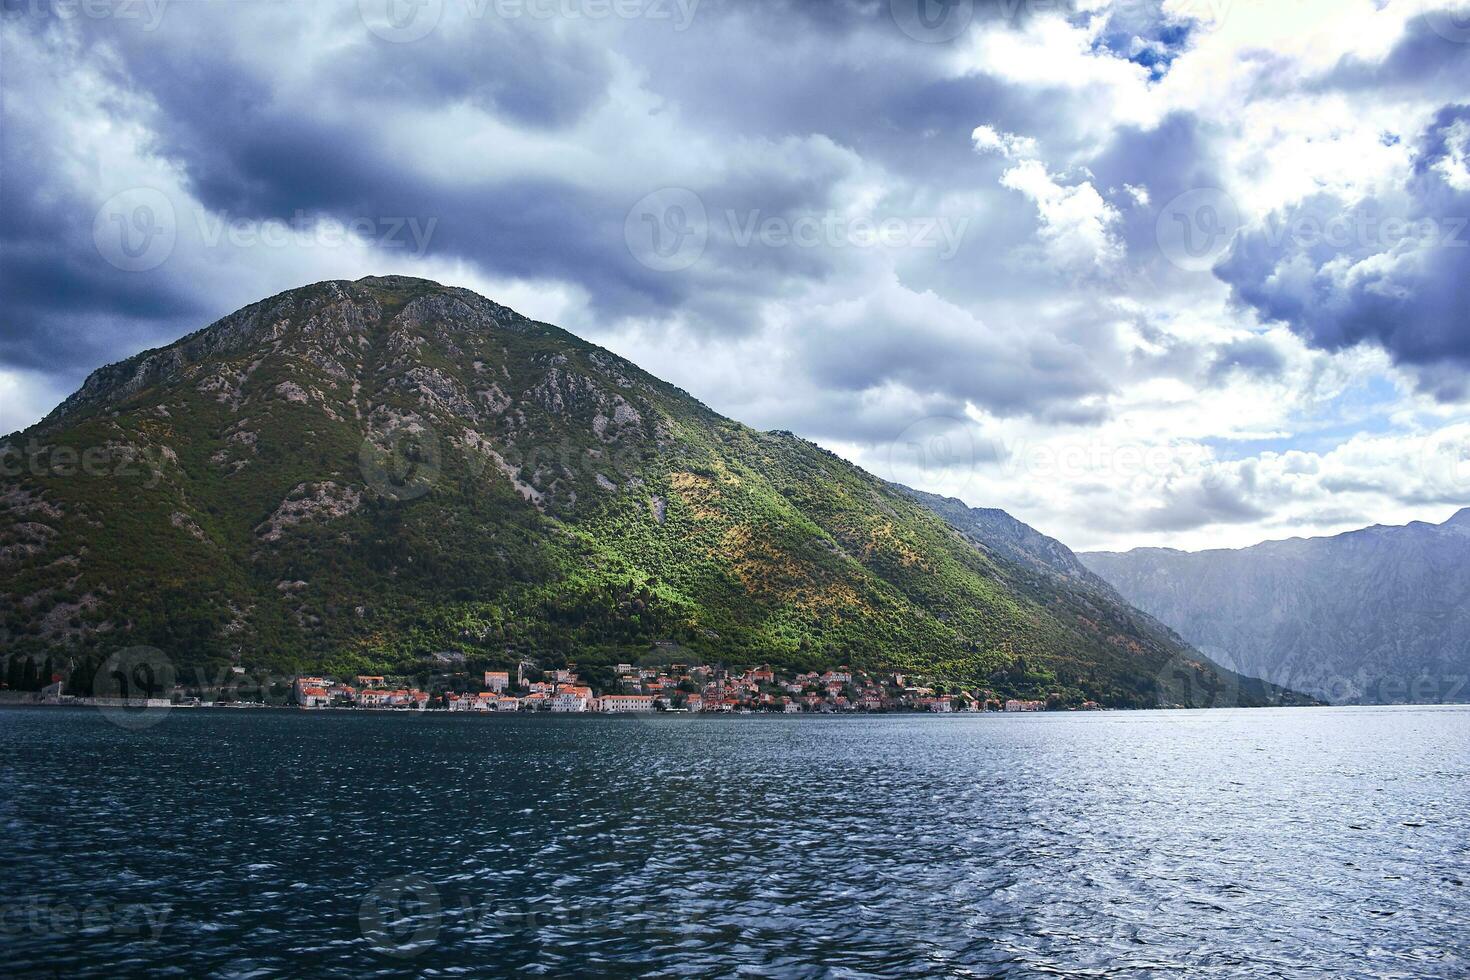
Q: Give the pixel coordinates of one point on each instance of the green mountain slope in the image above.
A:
(1056, 578)
(352, 475)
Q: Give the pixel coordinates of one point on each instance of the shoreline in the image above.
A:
(135, 706)
(138, 708)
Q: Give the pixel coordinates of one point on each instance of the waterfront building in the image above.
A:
(572, 698)
(618, 703)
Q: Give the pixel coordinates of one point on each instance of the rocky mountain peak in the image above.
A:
(328, 323)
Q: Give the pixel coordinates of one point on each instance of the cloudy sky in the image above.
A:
(1191, 273)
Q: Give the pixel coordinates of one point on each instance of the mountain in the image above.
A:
(1380, 615)
(1020, 543)
(1058, 579)
(362, 476)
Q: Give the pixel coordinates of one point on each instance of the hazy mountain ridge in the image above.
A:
(355, 474)
(1016, 540)
(1379, 615)
(1070, 588)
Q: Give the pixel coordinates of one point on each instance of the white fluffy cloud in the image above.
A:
(988, 140)
(1076, 225)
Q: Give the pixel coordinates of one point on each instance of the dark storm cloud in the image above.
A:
(882, 94)
(501, 68)
(845, 416)
(866, 84)
(214, 88)
(1424, 61)
(774, 110)
(250, 146)
(66, 309)
(65, 315)
(1217, 499)
(1392, 270)
(1171, 159)
(1255, 356)
(939, 352)
(257, 147)
(224, 101)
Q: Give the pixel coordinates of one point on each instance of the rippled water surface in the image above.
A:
(1293, 842)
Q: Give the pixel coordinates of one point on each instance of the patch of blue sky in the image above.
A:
(1364, 409)
(1148, 39)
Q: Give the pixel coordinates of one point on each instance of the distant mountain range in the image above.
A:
(1073, 590)
(1380, 615)
(357, 476)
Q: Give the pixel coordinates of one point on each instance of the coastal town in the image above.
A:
(671, 688)
(624, 688)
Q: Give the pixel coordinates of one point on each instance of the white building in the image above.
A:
(311, 692)
(572, 699)
(1014, 705)
(625, 702)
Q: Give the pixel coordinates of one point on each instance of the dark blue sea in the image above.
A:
(1329, 842)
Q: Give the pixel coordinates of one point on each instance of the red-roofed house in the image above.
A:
(618, 703)
(572, 698)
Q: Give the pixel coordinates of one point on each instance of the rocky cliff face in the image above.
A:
(356, 475)
(1378, 615)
